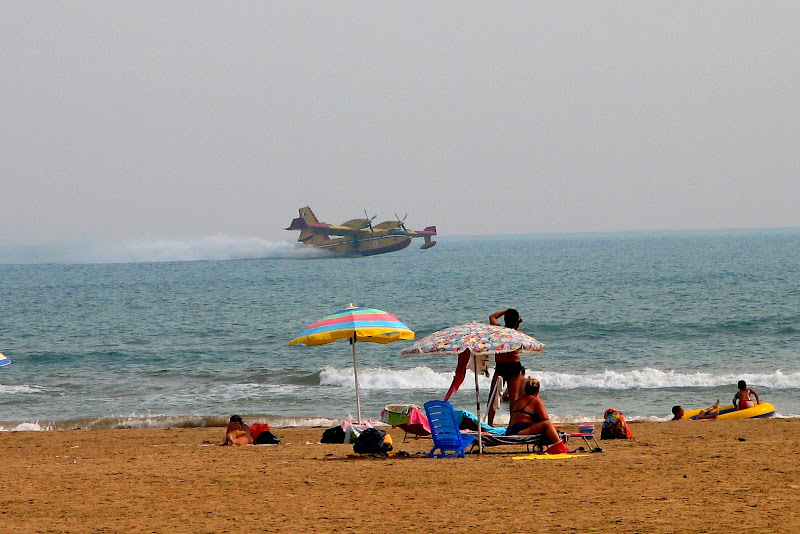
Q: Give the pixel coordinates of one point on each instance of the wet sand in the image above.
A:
(690, 476)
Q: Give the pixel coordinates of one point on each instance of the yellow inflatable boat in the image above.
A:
(764, 409)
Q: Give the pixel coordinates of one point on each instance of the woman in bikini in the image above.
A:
(529, 416)
(507, 364)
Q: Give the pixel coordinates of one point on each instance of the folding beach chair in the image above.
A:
(407, 417)
(586, 432)
(444, 431)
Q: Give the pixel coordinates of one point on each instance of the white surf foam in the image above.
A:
(378, 378)
(649, 378)
(12, 390)
(646, 378)
(26, 427)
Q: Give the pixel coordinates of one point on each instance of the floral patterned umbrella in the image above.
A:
(480, 339)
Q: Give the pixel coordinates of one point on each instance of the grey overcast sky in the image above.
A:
(123, 120)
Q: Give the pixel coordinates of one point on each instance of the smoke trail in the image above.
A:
(215, 247)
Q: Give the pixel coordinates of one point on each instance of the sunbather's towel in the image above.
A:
(352, 430)
(482, 363)
(466, 414)
(496, 395)
(491, 440)
(397, 414)
(547, 456)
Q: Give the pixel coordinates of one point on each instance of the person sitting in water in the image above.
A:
(529, 416)
(743, 398)
(707, 413)
(237, 433)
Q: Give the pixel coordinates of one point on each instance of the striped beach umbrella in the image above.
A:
(4, 360)
(354, 324)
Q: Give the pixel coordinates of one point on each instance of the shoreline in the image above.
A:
(698, 476)
(217, 421)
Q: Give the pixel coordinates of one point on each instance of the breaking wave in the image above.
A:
(20, 389)
(163, 421)
(646, 378)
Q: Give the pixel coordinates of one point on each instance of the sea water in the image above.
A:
(126, 335)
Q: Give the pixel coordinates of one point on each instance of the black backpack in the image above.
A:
(265, 437)
(371, 442)
(333, 435)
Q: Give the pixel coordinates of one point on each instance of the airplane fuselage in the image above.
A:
(368, 246)
(357, 237)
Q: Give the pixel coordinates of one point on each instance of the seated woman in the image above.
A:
(237, 433)
(707, 413)
(529, 416)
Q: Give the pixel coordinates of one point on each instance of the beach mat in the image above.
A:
(547, 456)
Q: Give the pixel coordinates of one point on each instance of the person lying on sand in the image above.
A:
(529, 416)
(237, 433)
(707, 413)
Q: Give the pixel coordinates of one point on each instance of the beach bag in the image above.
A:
(615, 426)
(258, 428)
(353, 430)
(265, 437)
(333, 435)
(372, 441)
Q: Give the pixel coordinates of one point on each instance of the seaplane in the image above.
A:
(358, 237)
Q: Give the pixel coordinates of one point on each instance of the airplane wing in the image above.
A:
(308, 224)
(322, 228)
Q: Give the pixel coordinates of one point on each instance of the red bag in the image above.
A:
(258, 428)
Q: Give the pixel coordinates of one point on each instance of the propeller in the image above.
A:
(401, 222)
(368, 224)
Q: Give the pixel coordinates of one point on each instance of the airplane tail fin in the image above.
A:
(302, 223)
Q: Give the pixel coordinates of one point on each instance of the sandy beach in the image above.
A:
(707, 476)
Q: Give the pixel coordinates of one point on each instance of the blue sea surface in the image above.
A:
(635, 321)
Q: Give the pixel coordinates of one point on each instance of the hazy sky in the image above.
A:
(143, 119)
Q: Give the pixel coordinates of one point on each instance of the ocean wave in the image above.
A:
(23, 388)
(645, 378)
(649, 378)
(27, 427)
(378, 378)
(165, 421)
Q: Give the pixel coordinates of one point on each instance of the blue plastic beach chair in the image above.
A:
(444, 430)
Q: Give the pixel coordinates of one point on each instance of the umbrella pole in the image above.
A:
(478, 403)
(355, 374)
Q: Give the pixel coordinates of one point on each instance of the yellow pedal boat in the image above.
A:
(764, 409)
